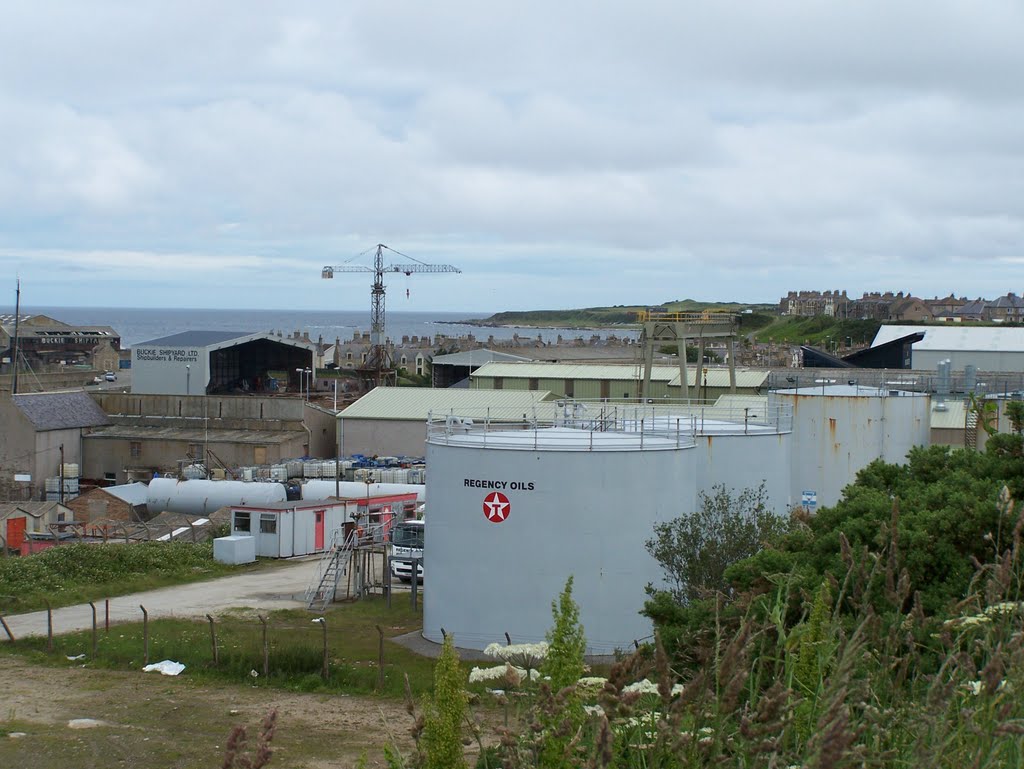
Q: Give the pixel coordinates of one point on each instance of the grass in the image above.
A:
(295, 649)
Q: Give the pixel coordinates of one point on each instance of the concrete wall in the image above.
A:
(385, 437)
(323, 431)
(244, 407)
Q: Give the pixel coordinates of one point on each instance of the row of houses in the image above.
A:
(889, 306)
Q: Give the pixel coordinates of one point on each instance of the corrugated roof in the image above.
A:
(61, 411)
(35, 509)
(198, 435)
(195, 338)
(478, 358)
(953, 417)
(957, 337)
(719, 377)
(417, 403)
(575, 371)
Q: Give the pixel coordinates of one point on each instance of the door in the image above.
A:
(15, 533)
(318, 530)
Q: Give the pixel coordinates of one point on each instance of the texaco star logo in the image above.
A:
(496, 507)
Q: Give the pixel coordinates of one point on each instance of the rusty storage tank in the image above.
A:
(838, 429)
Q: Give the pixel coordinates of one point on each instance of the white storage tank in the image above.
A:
(741, 443)
(316, 490)
(515, 510)
(840, 429)
(202, 497)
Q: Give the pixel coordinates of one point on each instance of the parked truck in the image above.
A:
(406, 545)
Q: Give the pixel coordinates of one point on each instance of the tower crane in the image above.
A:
(378, 369)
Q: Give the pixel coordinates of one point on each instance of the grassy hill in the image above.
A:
(603, 316)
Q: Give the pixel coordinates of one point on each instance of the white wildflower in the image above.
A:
(593, 710)
(975, 687)
(520, 655)
(1006, 607)
(476, 675)
(591, 682)
(254, 674)
(643, 687)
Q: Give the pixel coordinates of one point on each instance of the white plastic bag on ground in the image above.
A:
(166, 667)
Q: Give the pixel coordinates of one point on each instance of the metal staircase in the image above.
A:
(334, 564)
(971, 430)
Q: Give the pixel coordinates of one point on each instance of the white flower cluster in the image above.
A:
(478, 675)
(524, 655)
(996, 610)
(591, 682)
(1006, 607)
(649, 687)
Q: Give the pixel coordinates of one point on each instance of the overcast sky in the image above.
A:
(562, 154)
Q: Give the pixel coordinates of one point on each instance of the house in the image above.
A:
(1005, 309)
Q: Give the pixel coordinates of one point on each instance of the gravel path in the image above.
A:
(281, 587)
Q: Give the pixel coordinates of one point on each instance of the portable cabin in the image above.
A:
(287, 529)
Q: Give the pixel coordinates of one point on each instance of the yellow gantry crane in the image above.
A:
(378, 368)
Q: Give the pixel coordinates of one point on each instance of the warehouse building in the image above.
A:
(451, 370)
(598, 382)
(987, 348)
(214, 362)
(392, 421)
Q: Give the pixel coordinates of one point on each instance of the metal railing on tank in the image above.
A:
(556, 426)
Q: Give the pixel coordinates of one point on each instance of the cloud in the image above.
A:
(570, 154)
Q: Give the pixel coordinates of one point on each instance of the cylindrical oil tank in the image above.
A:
(739, 448)
(514, 513)
(317, 490)
(840, 429)
(202, 497)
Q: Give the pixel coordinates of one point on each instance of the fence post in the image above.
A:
(326, 673)
(49, 626)
(387, 580)
(508, 638)
(415, 581)
(145, 634)
(106, 615)
(266, 647)
(6, 629)
(213, 641)
(380, 659)
(95, 644)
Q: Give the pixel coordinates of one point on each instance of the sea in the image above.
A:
(136, 324)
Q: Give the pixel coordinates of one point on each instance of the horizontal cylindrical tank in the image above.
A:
(202, 497)
(514, 513)
(316, 490)
(840, 429)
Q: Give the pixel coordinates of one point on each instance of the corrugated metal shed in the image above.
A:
(195, 338)
(61, 411)
(196, 435)
(416, 403)
(953, 417)
(575, 371)
(957, 336)
(132, 493)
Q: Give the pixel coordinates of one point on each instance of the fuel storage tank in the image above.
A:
(317, 490)
(515, 509)
(202, 497)
(840, 429)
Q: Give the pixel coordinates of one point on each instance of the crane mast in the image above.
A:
(378, 369)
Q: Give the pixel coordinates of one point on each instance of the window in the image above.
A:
(242, 522)
(60, 517)
(135, 449)
(110, 477)
(268, 524)
(348, 355)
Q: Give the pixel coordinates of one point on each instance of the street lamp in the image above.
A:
(188, 379)
(303, 381)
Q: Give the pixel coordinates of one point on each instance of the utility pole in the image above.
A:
(60, 494)
(17, 318)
